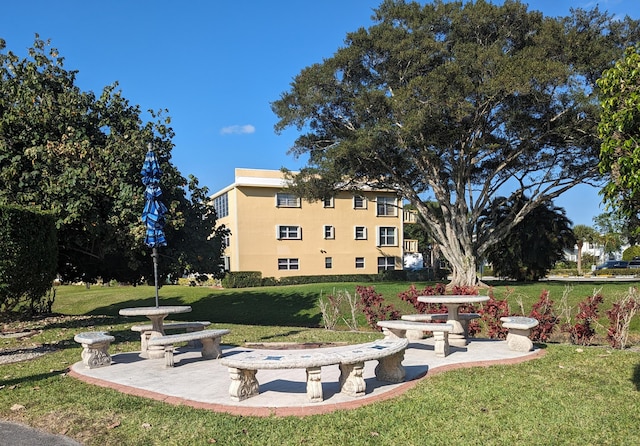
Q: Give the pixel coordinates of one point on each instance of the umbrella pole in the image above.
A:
(154, 254)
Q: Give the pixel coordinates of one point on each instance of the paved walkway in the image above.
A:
(205, 383)
(15, 434)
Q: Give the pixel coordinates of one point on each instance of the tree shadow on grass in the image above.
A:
(636, 376)
(248, 307)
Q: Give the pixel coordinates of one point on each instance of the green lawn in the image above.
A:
(572, 395)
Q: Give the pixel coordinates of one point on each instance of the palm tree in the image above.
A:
(583, 233)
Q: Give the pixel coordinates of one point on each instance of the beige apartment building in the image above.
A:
(275, 232)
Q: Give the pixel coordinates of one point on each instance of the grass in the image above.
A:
(572, 395)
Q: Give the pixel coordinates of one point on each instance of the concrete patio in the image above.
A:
(204, 384)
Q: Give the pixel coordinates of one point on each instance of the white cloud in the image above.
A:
(238, 130)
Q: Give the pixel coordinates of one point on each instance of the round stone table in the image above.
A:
(452, 302)
(156, 315)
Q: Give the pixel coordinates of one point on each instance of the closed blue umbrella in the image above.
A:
(154, 209)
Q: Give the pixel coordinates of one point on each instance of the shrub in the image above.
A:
(547, 320)
(582, 333)
(491, 312)
(242, 279)
(28, 259)
(631, 252)
(373, 306)
(620, 316)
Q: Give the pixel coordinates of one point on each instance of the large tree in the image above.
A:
(79, 156)
(619, 129)
(456, 102)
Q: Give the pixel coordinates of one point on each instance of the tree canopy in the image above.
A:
(456, 102)
(79, 156)
(619, 129)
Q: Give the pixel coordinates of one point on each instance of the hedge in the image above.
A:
(28, 259)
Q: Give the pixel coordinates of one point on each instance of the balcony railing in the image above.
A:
(410, 245)
(409, 216)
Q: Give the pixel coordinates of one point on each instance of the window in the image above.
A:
(360, 233)
(227, 241)
(359, 202)
(386, 206)
(221, 205)
(387, 236)
(328, 202)
(359, 262)
(329, 232)
(288, 232)
(288, 264)
(287, 201)
(328, 262)
(386, 263)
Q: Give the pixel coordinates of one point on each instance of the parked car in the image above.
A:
(635, 263)
(613, 264)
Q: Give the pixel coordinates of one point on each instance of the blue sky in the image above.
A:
(217, 66)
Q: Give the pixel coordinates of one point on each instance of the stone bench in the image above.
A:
(210, 343)
(464, 319)
(95, 348)
(145, 332)
(388, 352)
(519, 332)
(400, 329)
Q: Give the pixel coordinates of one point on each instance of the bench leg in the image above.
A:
(96, 355)
(414, 335)
(195, 343)
(351, 381)
(518, 340)
(390, 368)
(314, 384)
(168, 355)
(211, 348)
(441, 343)
(144, 339)
(243, 384)
(393, 333)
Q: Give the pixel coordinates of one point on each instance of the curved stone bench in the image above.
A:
(519, 332)
(95, 348)
(145, 331)
(464, 319)
(210, 343)
(400, 329)
(389, 353)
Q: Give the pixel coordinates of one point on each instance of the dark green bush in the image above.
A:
(242, 279)
(28, 259)
(631, 252)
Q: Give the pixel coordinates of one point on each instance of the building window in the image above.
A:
(328, 202)
(328, 262)
(287, 201)
(288, 264)
(329, 232)
(289, 232)
(226, 241)
(387, 236)
(386, 206)
(359, 262)
(359, 202)
(360, 232)
(386, 263)
(221, 205)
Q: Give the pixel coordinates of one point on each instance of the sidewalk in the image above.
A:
(204, 383)
(20, 435)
